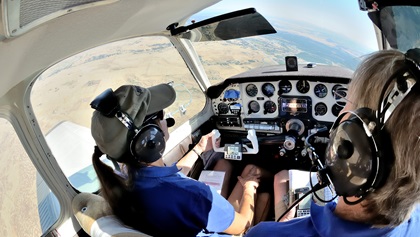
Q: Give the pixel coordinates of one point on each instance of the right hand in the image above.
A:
(205, 143)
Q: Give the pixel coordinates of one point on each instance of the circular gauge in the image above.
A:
(340, 94)
(320, 90)
(253, 107)
(269, 107)
(320, 109)
(303, 86)
(334, 89)
(285, 86)
(268, 89)
(336, 109)
(251, 90)
(223, 108)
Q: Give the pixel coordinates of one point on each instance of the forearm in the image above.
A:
(245, 214)
(186, 162)
(247, 206)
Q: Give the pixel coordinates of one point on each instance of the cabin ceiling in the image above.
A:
(35, 34)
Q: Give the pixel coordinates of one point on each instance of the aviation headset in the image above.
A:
(359, 155)
(147, 142)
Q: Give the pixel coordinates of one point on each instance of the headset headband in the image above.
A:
(405, 81)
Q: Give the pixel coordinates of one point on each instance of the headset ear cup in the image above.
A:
(385, 158)
(351, 156)
(148, 144)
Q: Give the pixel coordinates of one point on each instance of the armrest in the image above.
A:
(95, 217)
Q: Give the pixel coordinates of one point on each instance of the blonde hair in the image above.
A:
(392, 203)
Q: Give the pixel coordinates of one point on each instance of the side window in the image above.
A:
(61, 96)
(27, 205)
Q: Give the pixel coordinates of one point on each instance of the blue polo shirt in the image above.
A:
(175, 205)
(323, 222)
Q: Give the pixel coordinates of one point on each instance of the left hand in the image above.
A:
(205, 143)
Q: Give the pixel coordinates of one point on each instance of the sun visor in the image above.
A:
(399, 24)
(233, 25)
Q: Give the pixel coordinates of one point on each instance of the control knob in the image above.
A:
(289, 143)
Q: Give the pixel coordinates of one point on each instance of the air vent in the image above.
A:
(22, 16)
(48, 205)
(32, 10)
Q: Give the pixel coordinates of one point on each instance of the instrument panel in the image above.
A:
(259, 104)
(287, 109)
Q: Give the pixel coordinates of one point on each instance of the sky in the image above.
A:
(349, 20)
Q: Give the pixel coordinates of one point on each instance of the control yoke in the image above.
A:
(252, 136)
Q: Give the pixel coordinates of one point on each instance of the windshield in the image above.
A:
(323, 32)
(77, 80)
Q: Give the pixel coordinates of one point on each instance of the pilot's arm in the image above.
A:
(245, 214)
(224, 218)
(205, 144)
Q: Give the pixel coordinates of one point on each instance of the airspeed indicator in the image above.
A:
(251, 90)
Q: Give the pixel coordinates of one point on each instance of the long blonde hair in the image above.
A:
(393, 203)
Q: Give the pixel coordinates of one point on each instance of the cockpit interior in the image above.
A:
(270, 78)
